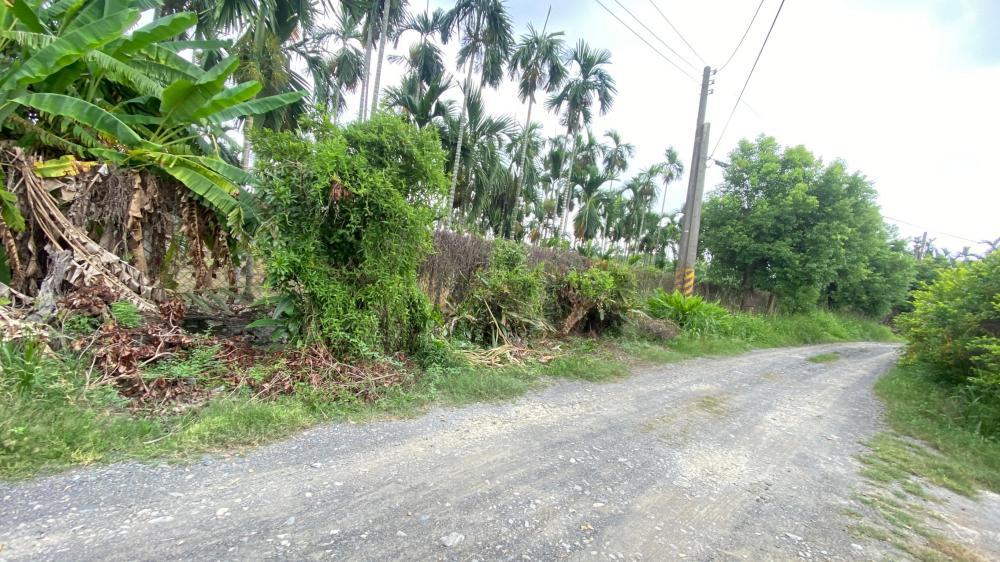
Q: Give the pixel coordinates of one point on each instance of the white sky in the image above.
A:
(907, 91)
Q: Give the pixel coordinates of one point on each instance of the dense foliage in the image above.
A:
(783, 222)
(955, 324)
(347, 219)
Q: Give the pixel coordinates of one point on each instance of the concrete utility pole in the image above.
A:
(688, 251)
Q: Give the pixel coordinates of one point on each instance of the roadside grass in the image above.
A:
(824, 358)
(55, 422)
(940, 437)
(961, 456)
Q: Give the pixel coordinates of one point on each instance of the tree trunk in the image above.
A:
(569, 187)
(746, 287)
(642, 227)
(659, 231)
(381, 55)
(519, 186)
(458, 146)
(364, 72)
(247, 125)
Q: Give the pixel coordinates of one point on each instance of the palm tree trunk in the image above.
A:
(364, 73)
(458, 146)
(524, 147)
(519, 185)
(642, 227)
(569, 186)
(381, 55)
(247, 125)
(659, 231)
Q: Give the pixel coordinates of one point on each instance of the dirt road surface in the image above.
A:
(747, 457)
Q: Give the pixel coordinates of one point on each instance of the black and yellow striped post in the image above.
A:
(688, 287)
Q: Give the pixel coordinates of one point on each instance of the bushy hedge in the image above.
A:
(955, 324)
(346, 221)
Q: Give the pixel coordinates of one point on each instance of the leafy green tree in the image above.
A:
(480, 159)
(421, 103)
(589, 83)
(617, 153)
(783, 222)
(643, 190)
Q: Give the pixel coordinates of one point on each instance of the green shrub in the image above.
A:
(347, 216)
(693, 314)
(955, 324)
(598, 298)
(506, 301)
(126, 314)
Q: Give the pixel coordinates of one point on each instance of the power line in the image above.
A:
(657, 37)
(648, 44)
(752, 69)
(749, 25)
(678, 32)
(921, 227)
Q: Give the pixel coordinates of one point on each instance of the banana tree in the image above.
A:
(80, 82)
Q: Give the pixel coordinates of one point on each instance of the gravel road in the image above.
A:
(746, 457)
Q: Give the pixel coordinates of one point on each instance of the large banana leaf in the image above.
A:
(208, 190)
(84, 113)
(184, 98)
(27, 39)
(170, 59)
(69, 48)
(198, 45)
(27, 16)
(257, 106)
(161, 29)
(221, 167)
(124, 73)
(228, 98)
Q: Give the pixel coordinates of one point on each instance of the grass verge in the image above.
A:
(961, 457)
(940, 437)
(58, 423)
